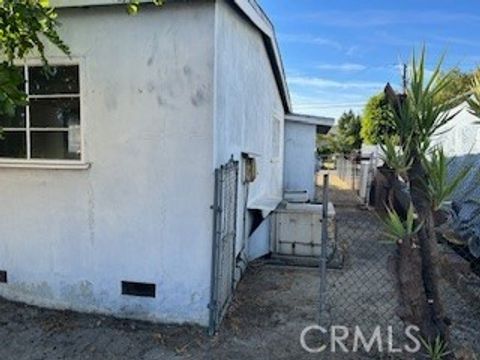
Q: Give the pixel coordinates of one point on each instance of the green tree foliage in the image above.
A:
(133, 6)
(474, 100)
(349, 126)
(25, 27)
(459, 84)
(377, 116)
(376, 121)
(344, 138)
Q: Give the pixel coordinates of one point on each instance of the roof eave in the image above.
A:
(310, 119)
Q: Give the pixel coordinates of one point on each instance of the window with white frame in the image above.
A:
(48, 128)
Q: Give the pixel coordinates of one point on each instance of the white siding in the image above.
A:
(141, 212)
(247, 103)
(462, 135)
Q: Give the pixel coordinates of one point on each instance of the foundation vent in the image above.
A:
(138, 289)
(3, 276)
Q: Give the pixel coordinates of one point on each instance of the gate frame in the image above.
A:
(218, 311)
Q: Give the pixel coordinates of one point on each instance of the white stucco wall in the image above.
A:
(300, 157)
(247, 105)
(142, 211)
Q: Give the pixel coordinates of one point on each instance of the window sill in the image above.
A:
(47, 165)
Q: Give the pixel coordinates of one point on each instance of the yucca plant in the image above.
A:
(437, 349)
(474, 99)
(438, 185)
(398, 229)
(417, 116)
(397, 158)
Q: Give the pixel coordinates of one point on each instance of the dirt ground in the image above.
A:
(273, 304)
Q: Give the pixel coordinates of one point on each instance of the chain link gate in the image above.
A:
(224, 237)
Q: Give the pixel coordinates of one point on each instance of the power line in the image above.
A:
(323, 105)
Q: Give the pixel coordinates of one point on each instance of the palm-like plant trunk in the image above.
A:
(417, 115)
(416, 264)
(434, 321)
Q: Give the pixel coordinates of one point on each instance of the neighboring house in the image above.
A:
(461, 144)
(108, 175)
(462, 134)
(300, 151)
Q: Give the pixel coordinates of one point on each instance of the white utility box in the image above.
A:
(297, 230)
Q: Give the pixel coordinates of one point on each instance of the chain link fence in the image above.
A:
(357, 172)
(362, 290)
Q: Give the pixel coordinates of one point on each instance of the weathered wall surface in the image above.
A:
(300, 157)
(248, 108)
(141, 212)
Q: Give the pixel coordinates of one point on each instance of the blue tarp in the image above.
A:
(466, 200)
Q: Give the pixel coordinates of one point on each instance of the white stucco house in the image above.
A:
(108, 175)
(300, 151)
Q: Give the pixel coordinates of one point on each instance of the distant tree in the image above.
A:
(349, 126)
(327, 144)
(344, 138)
(460, 83)
(376, 122)
(474, 101)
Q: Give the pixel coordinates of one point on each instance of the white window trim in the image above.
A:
(44, 164)
(80, 164)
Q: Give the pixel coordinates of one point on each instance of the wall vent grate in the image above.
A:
(138, 289)
(3, 276)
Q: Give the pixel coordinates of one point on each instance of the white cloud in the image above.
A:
(310, 39)
(346, 67)
(322, 83)
(353, 50)
(331, 104)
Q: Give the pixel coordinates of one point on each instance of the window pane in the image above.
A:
(56, 80)
(13, 144)
(54, 145)
(54, 112)
(17, 121)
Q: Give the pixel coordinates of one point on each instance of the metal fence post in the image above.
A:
(353, 173)
(213, 306)
(323, 255)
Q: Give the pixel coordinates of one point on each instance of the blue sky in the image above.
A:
(337, 53)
